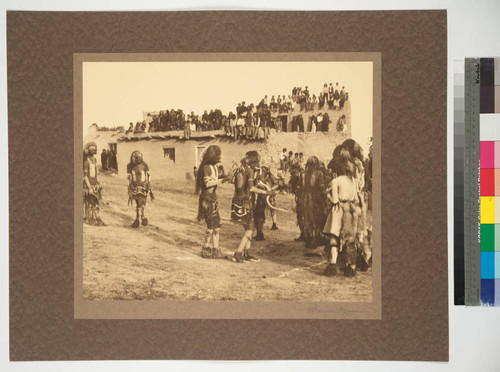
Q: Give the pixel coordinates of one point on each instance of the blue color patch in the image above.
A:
(488, 292)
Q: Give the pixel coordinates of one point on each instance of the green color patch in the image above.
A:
(488, 237)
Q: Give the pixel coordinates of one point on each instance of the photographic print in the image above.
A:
(215, 182)
(164, 150)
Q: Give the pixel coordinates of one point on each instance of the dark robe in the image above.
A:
(326, 122)
(104, 160)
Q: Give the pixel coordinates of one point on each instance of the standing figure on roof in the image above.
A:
(91, 187)
(244, 201)
(207, 180)
(139, 179)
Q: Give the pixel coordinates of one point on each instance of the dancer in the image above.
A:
(296, 186)
(139, 179)
(243, 203)
(356, 153)
(207, 179)
(342, 222)
(91, 187)
(313, 202)
(265, 181)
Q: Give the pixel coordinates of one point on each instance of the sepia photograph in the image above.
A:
(216, 182)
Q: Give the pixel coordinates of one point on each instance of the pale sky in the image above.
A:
(116, 93)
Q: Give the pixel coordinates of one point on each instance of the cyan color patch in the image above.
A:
(487, 265)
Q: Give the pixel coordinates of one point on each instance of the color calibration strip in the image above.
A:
(477, 182)
(489, 129)
(458, 180)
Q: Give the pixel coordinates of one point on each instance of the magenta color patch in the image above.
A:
(497, 154)
(487, 154)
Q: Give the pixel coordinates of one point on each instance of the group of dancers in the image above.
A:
(331, 202)
(139, 186)
(331, 205)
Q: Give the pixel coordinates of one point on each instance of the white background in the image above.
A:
(473, 31)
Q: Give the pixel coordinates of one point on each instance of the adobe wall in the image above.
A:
(186, 153)
(102, 139)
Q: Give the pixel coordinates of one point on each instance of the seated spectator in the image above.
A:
(326, 122)
(341, 124)
(130, 128)
(319, 122)
(138, 128)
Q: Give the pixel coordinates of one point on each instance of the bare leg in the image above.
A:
(143, 217)
(137, 215)
(215, 238)
(246, 254)
(273, 218)
(247, 237)
(243, 246)
(334, 251)
(332, 254)
(249, 241)
(216, 252)
(206, 251)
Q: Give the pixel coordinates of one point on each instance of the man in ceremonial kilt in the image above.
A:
(91, 187)
(139, 179)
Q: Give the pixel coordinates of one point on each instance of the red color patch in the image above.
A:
(487, 182)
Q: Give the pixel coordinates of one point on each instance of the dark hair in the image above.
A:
(284, 149)
(253, 158)
(341, 162)
(354, 149)
(312, 163)
(207, 159)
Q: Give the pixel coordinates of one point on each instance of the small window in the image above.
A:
(169, 152)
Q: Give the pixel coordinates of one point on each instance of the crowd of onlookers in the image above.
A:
(250, 121)
(108, 160)
(333, 97)
(289, 160)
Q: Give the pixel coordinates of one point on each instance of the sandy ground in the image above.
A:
(162, 261)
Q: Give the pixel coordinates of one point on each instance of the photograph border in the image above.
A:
(40, 75)
(199, 309)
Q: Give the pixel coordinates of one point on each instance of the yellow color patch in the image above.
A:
(487, 209)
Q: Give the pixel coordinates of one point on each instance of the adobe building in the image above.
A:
(170, 155)
(104, 138)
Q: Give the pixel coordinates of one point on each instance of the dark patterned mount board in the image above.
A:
(40, 48)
